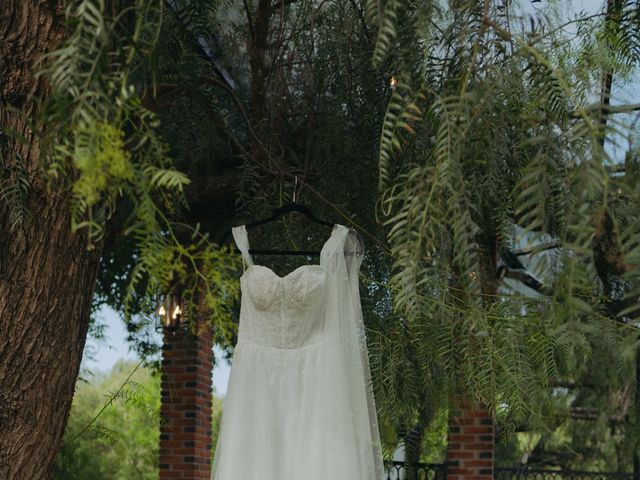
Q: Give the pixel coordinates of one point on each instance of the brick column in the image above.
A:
(185, 438)
(471, 445)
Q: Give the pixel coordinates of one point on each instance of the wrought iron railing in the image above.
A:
(436, 471)
(500, 473)
(420, 471)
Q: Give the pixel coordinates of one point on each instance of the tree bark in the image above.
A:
(47, 274)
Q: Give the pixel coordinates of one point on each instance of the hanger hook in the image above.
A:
(295, 188)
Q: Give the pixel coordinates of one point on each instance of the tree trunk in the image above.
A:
(47, 275)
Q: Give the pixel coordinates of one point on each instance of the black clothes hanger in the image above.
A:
(277, 213)
(287, 208)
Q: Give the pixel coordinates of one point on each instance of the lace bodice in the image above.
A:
(281, 312)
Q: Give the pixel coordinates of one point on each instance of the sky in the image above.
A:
(114, 346)
(622, 92)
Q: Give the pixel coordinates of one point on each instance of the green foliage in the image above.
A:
(402, 110)
(94, 102)
(386, 15)
(14, 192)
(105, 146)
(507, 137)
(102, 163)
(114, 426)
(120, 443)
(216, 418)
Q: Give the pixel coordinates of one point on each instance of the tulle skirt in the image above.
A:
(284, 417)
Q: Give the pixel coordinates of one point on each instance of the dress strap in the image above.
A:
(242, 241)
(335, 244)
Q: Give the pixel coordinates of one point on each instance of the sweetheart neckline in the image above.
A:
(310, 265)
(336, 228)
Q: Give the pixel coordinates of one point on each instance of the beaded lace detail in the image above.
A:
(282, 312)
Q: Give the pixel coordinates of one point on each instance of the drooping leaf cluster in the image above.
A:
(499, 124)
(105, 147)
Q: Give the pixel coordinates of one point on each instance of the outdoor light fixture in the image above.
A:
(170, 313)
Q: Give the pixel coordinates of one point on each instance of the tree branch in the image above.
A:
(281, 4)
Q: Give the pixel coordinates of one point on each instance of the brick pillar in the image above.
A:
(471, 445)
(185, 438)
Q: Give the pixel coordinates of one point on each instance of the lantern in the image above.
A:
(171, 313)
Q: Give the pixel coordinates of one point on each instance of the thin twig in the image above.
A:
(249, 20)
(214, 80)
(109, 402)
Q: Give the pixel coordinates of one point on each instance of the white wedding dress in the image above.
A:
(299, 403)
